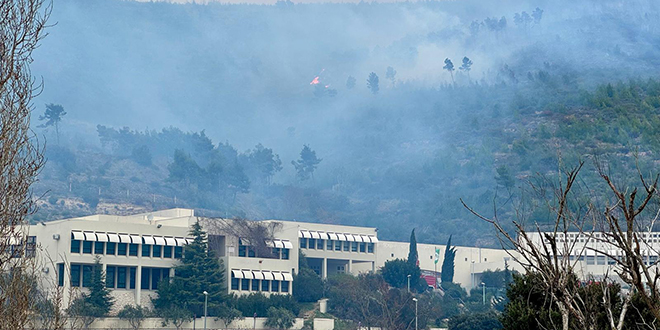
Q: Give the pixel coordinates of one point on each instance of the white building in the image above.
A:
(138, 251)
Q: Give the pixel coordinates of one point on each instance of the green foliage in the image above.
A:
(135, 315)
(395, 273)
(97, 302)
(280, 318)
(475, 321)
(307, 286)
(53, 115)
(261, 163)
(259, 303)
(306, 165)
(175, 315)
(372, 83)
(447, 273)
(142, 155)
(413, 257)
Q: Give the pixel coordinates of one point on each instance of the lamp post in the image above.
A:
(206, 303)
(483, 292)
(415, 300)
(472, 275)
(408, 282)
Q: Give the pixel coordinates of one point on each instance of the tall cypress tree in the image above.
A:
(447, 275)
(200, 270)
(412, 253)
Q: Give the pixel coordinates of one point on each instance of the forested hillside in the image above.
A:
(306, 133)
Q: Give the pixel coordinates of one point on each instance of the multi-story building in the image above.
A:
(140, 250)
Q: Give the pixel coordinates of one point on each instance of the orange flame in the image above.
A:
(315, 81)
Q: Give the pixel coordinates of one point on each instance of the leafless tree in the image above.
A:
(256, 234)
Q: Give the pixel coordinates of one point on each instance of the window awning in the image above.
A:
(181, 241)
(102, 237)
(349, 237)
(159, 240)
(135, 239)
(258, 275)
(287, 244)
(190, 240)
(333, 236)
(279, 244)
(124, 238)
(170, 241)
(268, 275)
(113, 238)
(278, 276)
(237, 273)
(305, 234)
(287, 276)
(247, 274)
(323, 235)
(365, 238)
(89, 236)
(77, 235)
(373, 239)
(148, 240)
(358, 238)
(341, 237)
(315, 234)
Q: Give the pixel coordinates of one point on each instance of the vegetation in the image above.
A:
(447, 274)
(96, 303)
(134, 315)
(280, 318)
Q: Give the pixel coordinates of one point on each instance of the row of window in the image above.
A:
(116, 277)
(123, 249)
(256, 285)
(330, 245)
(28, 249)
(605, 260)
(249, 252)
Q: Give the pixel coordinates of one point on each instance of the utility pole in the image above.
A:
(206, 303)
(408, 282)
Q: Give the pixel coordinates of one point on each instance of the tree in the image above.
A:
(229, 314)
(307, 163)
(280, 318)
(307, 285)
(200, 270)
(350, 82)
(413, 257)
(475, 321)
(447, 274)
(175, 315)
(53, 115)
(466, 66)
(395, 273)
(537, 14)
(142, 155)
(449, 66)
(390, 74)
(95, 304)
(372, 83)
(23, 26)
(135, 315)
(261, 163)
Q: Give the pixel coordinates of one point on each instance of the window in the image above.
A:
(155, 278)
(337, 245)
(611, 261)
(156, 252)
(167, 252)
(347, 245)
(251, 253)
(276, 253)
(245, 284)
(285, 286)
(75, 246)
(60, 274)
(110, 248)
(265, 284)
(275, 286)
(87, 276)
(329, 245)
(131, 281)
(121, 249)
(285, 254)
(146, 250)
(144, 278)
(354, 246)
(87, 247)
(255, 285)
(312, 243)
(234, 283)
(178, 252)
(363, 247)
(75, 275)
(121, 277)
(31, 246)
(303, 243)
(242, 250)
(110, 276)
(591, 260)
(99, 247)
(133, 250)
(370, 248)
(319, 244)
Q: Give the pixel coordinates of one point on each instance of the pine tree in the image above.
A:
(412, 252)
(99, 295)
(447, 275)
(200, 270)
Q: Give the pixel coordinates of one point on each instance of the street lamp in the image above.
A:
(415, 300)
(408, 282)
(472, 275)
(206, 304)
(483, 292)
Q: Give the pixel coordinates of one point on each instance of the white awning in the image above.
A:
(181, 241)
(358, 238)
(237, 273)
(300, 234)
(113, 238)
(148, 240)
(333, 236)
(124, 238)
(258, 275)
(268, 275)
(170, 241)
(159, 240)
(349, 237)
(279, 244)
(90, 236)
(135, 239)
(77, 235)
(591, 252)
(278, 276)
(341, 237)
(306, 234)
(190, 240)
(287, 276)
(270, 244)
(248, 274)
(287, 244)
(365, 238)
(315, 234)
(373, 239)
(323, 235)
(102, 237)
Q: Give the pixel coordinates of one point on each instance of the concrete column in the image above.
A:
(138, 285)
(373, 266)
(350, 267)
(324, 268)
